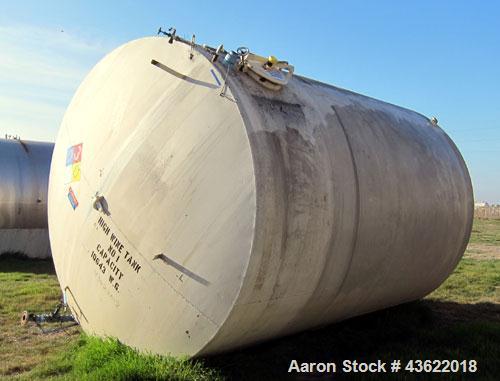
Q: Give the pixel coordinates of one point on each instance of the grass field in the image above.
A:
(460, 320)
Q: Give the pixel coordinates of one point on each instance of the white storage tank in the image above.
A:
(192, 209)
(24, 177)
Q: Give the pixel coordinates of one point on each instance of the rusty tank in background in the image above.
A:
(200, 202)
(24, 177)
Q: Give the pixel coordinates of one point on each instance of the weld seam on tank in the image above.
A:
(357, 203)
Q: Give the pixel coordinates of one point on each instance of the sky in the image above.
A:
(440, 58)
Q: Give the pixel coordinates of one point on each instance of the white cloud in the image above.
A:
(40, 69)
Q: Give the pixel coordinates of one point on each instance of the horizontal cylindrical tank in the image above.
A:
(24, 177)
(190, 217)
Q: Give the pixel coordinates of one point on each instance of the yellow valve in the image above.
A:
(272, 60)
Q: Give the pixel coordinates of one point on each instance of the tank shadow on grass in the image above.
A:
(425, 329)
(18, 262)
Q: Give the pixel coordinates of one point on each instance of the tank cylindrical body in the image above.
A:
(24, 177)
(203, 218)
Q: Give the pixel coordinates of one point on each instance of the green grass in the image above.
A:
(91, 358)
(27, 284)
(460, 320)
(472, 281)
(485, 231)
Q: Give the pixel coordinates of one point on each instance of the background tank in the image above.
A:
(24, 177)
(197, 223)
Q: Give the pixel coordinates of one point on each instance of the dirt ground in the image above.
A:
(482, 251)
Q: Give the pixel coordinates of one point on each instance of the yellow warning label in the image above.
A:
(75, 172)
